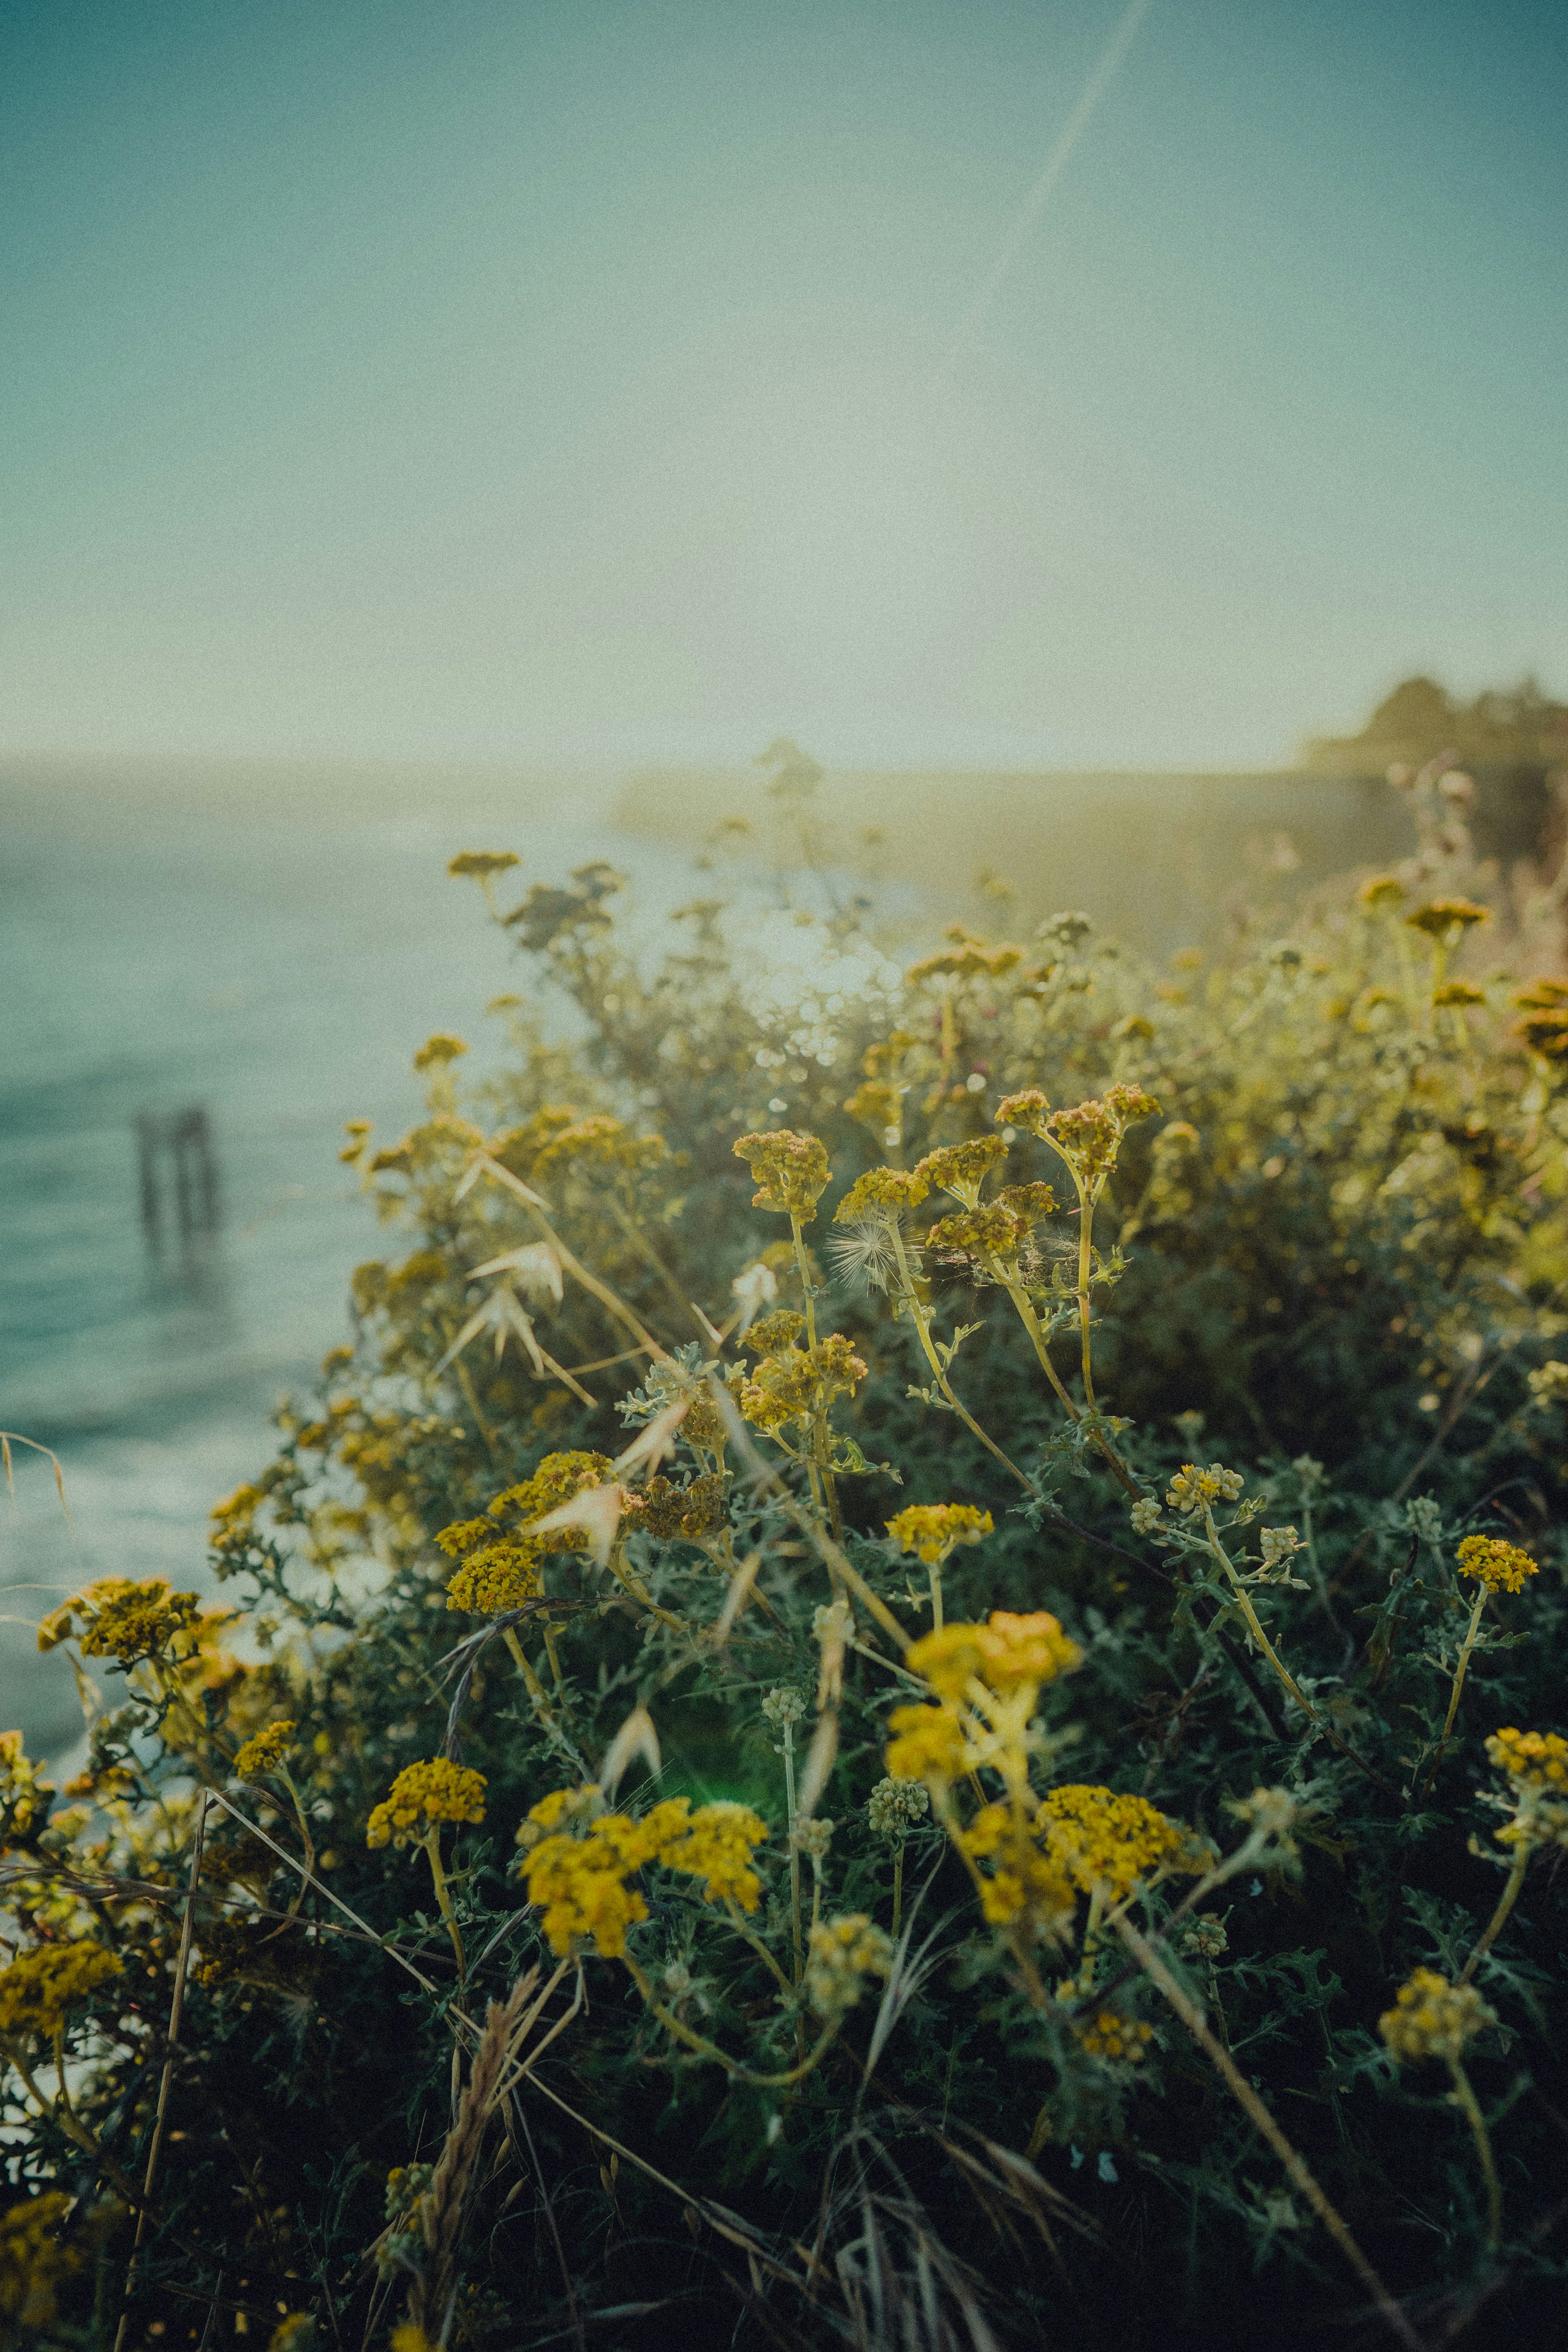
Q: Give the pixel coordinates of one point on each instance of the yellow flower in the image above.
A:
(989, 1227)
(422, 1797)
(1458, 992)
(22, 1793)
(266, 1752)
(1107, 2035)
(122, 1620)
(1025, 1881)
(933, 1530)
(461, 1537)
(1500, 1567)
(1088, 1137)
(579, 1880)
(1382, 890)
(480, 864)
(497, 1577)
(1191, 1487)
(1433, 2019)
(882, 1189)
(1445, 918)
(33, 2262)
(1006, 1653)
(961, 1168)
(843, 1952)
(1029, 1109)
(438, 1050)
(790, 1170)
(1536, 1760)
(717, 1848)
(1030, 1203)
(928, 1744)
(1102, 1839)
(603, 1140)
(41, 1987)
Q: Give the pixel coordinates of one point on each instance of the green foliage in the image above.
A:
(588, 2045)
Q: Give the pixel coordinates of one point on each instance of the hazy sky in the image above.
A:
(508, 381)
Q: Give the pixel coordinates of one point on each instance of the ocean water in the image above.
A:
(275, 966)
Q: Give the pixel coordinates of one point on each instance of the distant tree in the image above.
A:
(1516, 725)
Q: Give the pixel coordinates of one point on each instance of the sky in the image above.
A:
(515, 382)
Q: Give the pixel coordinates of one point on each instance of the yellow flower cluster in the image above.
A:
(989, 1229)
(791, 1172)
(1028, 1202)
(23, 1795)
(266, 1752)
(1536, 1760)
(422, 1797)
(843, 1953)
(987, 1678)
(1027, 1881)
(1028, 1108)
(933, 1530)
(579, 1881)
(1088, 1137)
(877, 1104)
(669, 1512)
(775, 1334)
(1500, 1567)
(122, 1620)
(32, 2263)
(967, 958)
(480, 864)
(960, 1169)
(497, 1577)
(880, 1191)
(1100, 1838)
(40, 1988)
(797, 1382)
(603, 1141)
(1008, 1652)
(438, 1051)
(1445, 918)
(501, 1571)
(1107, 2035)
(1191, 1487)
(1433, 2019)
(1544, 1028)
(559, 1477)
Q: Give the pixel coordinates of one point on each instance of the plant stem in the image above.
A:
(936, 1616)
(788, 1730)
(1085, 1266)
(1253, 2108)
(1471, 1631)
(1465, 2101)
(1506, 1902)
(442, 1896)
(706, 2049)
(535, 1687)
(897, 1887)
(747, 1936)
(822, 1476)
(181, 1963)
(922, 1326)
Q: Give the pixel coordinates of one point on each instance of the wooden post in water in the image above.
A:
(175, 1155)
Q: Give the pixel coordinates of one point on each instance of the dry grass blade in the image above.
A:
(636, 1737)
(441, 2212)
(8, 1438)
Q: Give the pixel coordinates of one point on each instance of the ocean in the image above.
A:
(272, 962)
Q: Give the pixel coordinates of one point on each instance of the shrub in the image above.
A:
(904, 1683)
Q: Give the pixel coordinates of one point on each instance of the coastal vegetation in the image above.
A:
(902, 1688)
